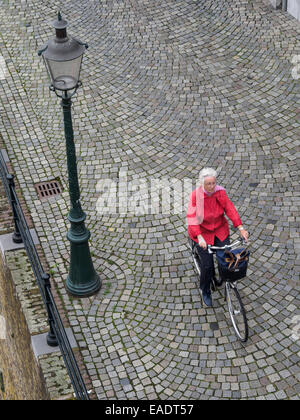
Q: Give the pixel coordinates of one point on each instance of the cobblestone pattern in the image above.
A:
(169, 87)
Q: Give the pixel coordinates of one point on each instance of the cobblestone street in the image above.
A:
(169, 87)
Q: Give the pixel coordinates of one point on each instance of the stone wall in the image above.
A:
(26, 375)
(21, 373)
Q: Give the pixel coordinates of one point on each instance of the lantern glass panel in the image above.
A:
(64, 75)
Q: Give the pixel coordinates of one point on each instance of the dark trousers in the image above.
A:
(207, 264)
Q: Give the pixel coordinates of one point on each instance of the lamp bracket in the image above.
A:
(82, 43)
(65, 94)
(40, 52)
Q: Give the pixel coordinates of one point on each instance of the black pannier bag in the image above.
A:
(233, 264)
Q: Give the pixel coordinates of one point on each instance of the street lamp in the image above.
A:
(62, 57)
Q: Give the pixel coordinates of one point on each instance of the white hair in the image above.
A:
(206, 172)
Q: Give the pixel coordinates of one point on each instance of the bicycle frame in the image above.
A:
(232, 296)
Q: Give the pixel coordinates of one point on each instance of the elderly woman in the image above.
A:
(207, 224)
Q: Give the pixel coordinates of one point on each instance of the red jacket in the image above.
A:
(214, 222)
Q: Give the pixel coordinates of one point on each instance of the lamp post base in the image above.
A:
(82, 279)
(83, 290)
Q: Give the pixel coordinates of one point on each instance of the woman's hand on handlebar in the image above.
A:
(244, 235)
(201, 242)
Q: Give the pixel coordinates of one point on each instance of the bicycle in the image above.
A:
(235, 305)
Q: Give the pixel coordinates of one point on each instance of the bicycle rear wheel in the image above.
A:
(237, 312)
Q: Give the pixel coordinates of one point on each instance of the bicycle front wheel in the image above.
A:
(237, 312)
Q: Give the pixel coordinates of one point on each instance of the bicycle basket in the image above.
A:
(233, 264)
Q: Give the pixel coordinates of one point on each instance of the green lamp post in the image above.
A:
(62, 57)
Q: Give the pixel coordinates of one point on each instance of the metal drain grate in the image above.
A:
(48, 189)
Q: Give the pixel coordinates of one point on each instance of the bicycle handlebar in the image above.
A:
(212, 248)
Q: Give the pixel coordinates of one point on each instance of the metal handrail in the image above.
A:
(67, 353)
(57, 334)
